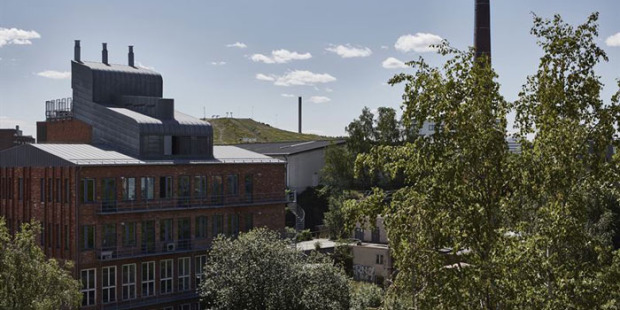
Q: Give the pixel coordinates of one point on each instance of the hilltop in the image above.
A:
(241, 130)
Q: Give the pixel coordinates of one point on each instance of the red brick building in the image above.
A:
(10, 137)
(137, 220)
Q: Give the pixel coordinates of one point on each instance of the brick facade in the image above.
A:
(64, 131)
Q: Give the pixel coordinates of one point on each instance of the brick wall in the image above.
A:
(64, 131)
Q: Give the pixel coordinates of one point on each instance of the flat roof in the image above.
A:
(288, 148)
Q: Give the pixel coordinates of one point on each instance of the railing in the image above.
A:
(114, 206)
(56, 109)
(152, 248)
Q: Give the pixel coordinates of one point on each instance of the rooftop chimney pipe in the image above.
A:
(76, 51)
(482, 29)
(299, 113)
(130, 56)
(104, 54)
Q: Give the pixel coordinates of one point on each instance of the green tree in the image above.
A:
(388, 128)
(477, 227)
(261, 271)
(28, 280)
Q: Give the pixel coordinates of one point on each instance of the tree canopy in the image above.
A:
(475, 226)
(28, 280)
(261, 271)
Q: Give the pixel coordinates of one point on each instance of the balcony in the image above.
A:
(152, 248)
(114, 207)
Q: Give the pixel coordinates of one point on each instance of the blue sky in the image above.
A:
(337, 50)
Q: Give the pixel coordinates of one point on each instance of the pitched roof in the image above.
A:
(288, 148)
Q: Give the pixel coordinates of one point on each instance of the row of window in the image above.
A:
(166, 228)
(129, 277)
(57, 190)
(55, 235)
(129, 187)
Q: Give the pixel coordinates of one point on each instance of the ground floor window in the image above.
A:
(199, 265)
(148, 279)
(108, 284)
(165, 276)
(89, 286)
(129, 281)
(184, 273)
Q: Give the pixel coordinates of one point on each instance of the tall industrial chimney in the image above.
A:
(104, 54)
(482, 29)
(130, 56)
(299, 113)
(76, 51)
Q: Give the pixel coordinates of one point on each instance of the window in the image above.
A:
(233, 184)
(379, 259)
(233, 225)
(109, 236)
(89, 286)
(129, 234)
(66, 237)
(49, 235)
(148, 279)
(147, 188)
(42, 186)
(201, 227)
(216, 189)
(67, 191)
(218, 223)
(49, 190)
(375, 236)
(249, 221)
(200, 186)
(58, 190)
(20, 189)
(129, 188)
(249, 187)
(165, 187)
(184, 273)
(184, 233)
(88, 237)
(199, 265)
(109, 193)
(184, 188)
(148, 236)
(165, 276)
(129, 281)
(88, 190)
(108, 284)
(58, 236)
(165, 230)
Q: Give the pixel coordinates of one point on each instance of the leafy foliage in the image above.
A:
(27, 279)
(261, 271)
(475, 226)
(365, 295)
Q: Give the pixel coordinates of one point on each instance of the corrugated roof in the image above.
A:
(180, 118)
(86, 154)
(118, 68)
(288, 148)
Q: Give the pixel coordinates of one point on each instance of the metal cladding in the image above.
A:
(482, 29)
(76, 51)
(299, 113)
(104, 54)
(130, 56)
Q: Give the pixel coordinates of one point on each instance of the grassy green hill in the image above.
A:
(242, 130)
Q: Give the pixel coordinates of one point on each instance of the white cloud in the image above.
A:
(393, 63)
(280, 56)
(613, 40)
(264, 77)
(218, 63)
(237, 45)
(288, 95)
(329, 90)
(17, 36)
(384, 47)
(56, 75)
(319, 99)
(420, 42)
(348, 51)
(297, 78)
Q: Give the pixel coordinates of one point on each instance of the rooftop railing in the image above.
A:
(213, 201)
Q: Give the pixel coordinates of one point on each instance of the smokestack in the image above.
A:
(130, 56)
(482, 29)
(299, 113)
(76, 51)
(104, 53)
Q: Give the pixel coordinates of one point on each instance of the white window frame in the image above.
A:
(108, 284)
(165, 279)
(129, 287)
(199, 263)
(148, 278)
(86, 300)
(184, 273)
